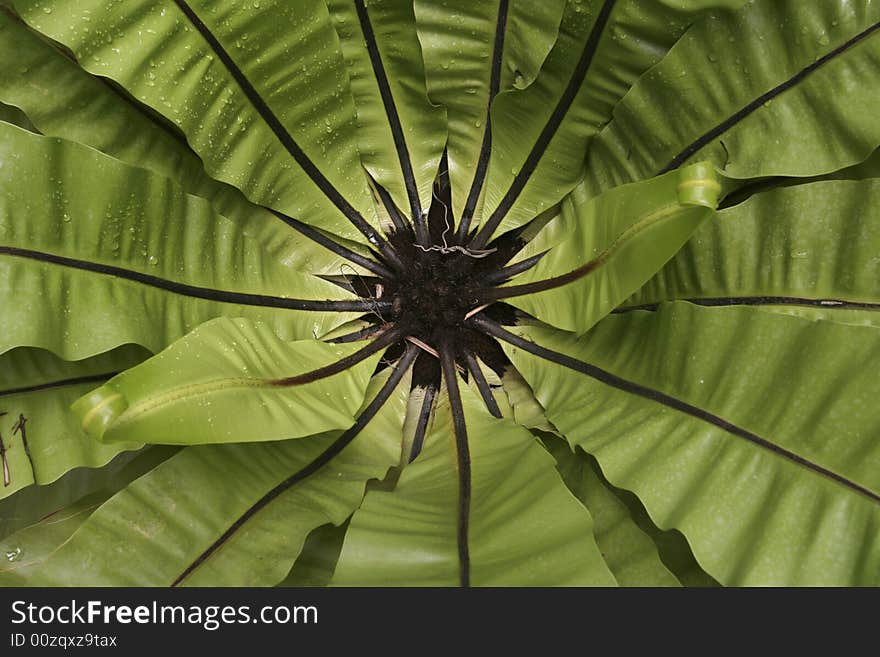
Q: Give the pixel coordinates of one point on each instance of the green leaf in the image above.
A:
(205, 67)
(245, 536)
(23, 553)
(525, 409)
(671, 546)
(809, 250)
(212, 166)
(29, 505)
(776, 88)
(868, 168)
(603, 249)
(541, 135)
(400, 134)
(80, 232)
(64, 101)
(230, 381)
(674, 550)
(735, 191)
(630, 553)
(39, 387)
(766, 460)
(13, 115)
(467, 65)
(525, 528)
(315, 564)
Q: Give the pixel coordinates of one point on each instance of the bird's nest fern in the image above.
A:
(392, 256)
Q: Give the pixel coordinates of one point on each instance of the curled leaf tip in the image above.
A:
(98, 410)
(698, 185)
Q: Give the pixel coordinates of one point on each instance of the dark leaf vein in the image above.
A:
(80, 380)
(798, 77)
(283, 135)
(669, 401)
(463, 462)
(397, 134)
(833, 304)
(549, 131)
(486, 147)
(209, 294)
(311, 468)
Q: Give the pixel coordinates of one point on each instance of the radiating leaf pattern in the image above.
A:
(76, 243)
(385, 67)
(201, 64)
(458, 40)
(579, 292)
(64, 101)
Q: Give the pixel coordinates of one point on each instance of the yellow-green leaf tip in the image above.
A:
(98, 410)
(698, 185)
